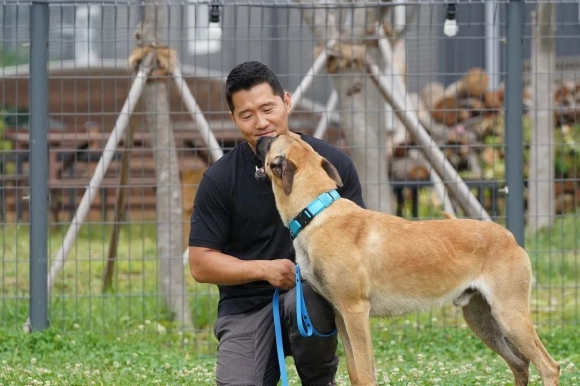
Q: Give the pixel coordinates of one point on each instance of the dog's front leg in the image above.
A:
(339, 321)
(358, 332)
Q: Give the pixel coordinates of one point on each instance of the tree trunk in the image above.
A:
(168, 189)
(361, 107)
(366, 135)
(541, 174)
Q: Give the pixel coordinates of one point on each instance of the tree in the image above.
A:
(541, 206)
(361, 107)
(155, 99)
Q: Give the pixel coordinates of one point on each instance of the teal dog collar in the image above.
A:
(307, 214)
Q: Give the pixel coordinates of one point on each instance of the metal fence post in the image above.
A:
(514, 130)
(38, 97)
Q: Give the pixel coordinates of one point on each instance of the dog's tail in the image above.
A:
(449, 216)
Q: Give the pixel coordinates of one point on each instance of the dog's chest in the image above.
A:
(303, 261)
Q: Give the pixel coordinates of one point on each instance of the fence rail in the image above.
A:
(485, 123)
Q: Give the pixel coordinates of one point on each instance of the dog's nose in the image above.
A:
(262, 147)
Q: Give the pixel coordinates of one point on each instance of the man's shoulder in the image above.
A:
(223, 167)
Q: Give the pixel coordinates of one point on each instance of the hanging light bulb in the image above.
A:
(450, 27)
(214, 11)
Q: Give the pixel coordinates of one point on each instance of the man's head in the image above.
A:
(258, 104)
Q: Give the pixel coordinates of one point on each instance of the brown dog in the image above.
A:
(370, 264)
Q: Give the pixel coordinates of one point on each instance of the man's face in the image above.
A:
(259, 112)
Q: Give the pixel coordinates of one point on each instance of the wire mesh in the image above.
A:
(453, 86)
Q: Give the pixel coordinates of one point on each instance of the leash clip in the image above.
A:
(304, 323)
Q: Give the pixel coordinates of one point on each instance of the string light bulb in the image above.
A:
(450, 27)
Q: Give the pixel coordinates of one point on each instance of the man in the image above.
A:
(238, 242)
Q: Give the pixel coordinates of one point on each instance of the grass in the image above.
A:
(13, 57)
(78, 298)
(127, 335)
(412, 356)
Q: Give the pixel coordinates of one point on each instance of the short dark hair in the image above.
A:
(249, 74)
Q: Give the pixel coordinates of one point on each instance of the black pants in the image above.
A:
(247, 345)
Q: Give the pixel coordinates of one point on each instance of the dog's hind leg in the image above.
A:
(477, 314)
(513, 317)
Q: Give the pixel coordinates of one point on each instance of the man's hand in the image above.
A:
(211, 266)
(280, 273)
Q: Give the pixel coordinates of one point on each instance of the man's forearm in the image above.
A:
(209, 266)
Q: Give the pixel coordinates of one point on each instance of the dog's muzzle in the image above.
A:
(262, 147)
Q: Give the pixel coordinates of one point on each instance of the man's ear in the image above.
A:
(332, 172)
(231, 115)
(287, 100)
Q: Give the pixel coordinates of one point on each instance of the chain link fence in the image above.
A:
(133, 89)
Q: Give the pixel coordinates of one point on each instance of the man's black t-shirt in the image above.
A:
(236, 214)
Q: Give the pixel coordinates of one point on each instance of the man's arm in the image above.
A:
(210, 223)
(211, 266)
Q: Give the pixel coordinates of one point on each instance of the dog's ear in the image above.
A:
(288, 175)
(284, 169)
(332, 172)
(277, 165)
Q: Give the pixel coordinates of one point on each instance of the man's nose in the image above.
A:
(261, 121)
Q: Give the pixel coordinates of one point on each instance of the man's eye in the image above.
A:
(269, 110)
(246, 117)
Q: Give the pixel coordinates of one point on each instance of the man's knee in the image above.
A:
(319, 309)
(246, 353)
(236, 362)
(315, 357)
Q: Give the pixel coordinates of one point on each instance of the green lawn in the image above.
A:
(412, 356)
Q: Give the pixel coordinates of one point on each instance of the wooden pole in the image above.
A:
(110, 147)
(541, 205)
(431, 151)
(119, 208)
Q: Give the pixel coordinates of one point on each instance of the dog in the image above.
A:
(371, 264)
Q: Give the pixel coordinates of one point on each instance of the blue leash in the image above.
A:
(304, 324)
(278, 332)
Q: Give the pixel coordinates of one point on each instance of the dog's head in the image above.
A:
(285, 158)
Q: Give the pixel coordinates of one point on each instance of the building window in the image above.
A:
(203, 37)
